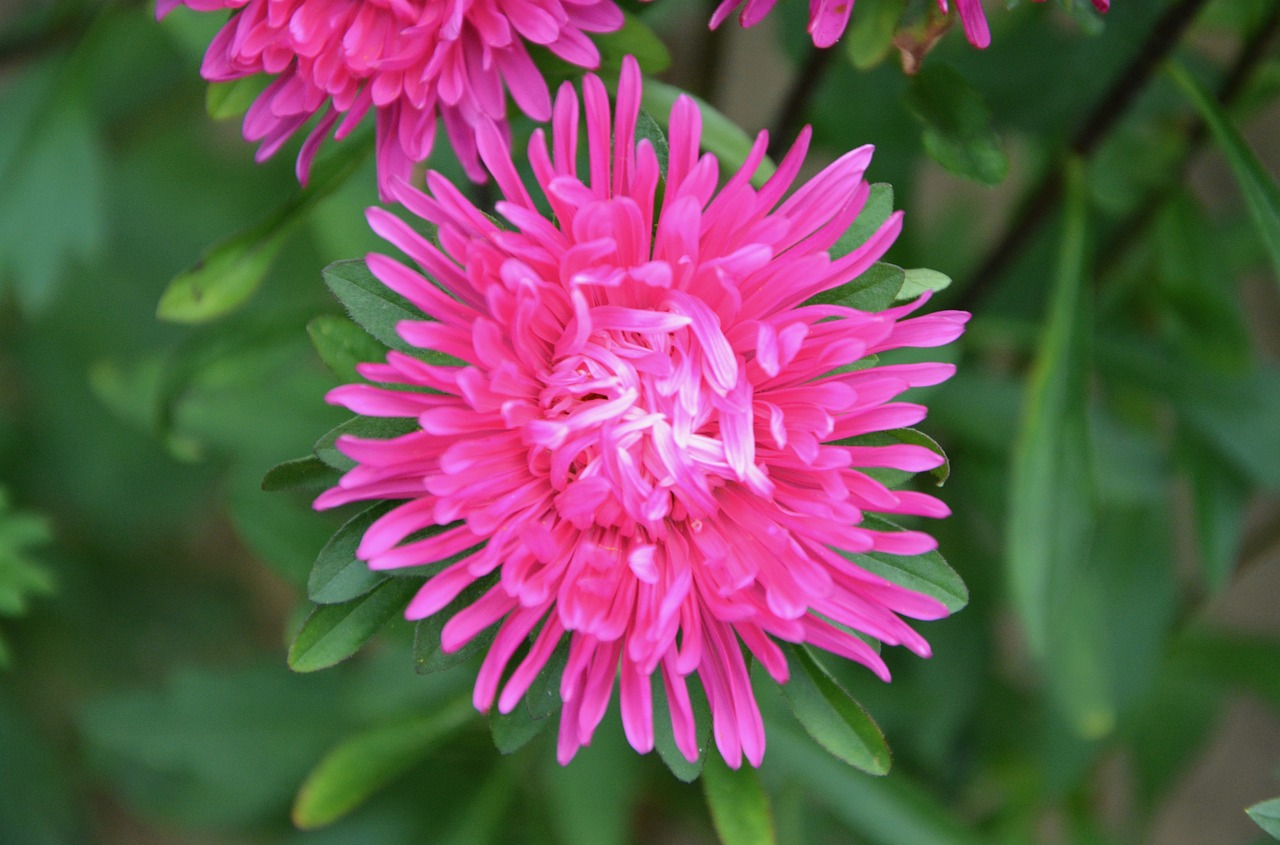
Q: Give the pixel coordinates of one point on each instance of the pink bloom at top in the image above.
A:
(644, 429)
(829, 18)
(408, 61)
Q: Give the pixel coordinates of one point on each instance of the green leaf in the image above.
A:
(647, 127)
(383, 428)
(720, 136)
(338, 576)
(373, 305)
(874, 213)
(231, 270)
(361, 765)
(1052, 493)
(920, 280)
(1266, 814)
(428, 655)
(635, 38)
(334, 632)
(1219, 497)
(664, 736)
(957, 125)
(928, 573)
(341, 344)
(1261, 194)
(869, 38)
(513, 731)
(309, 473)
(832, 717)
(874, 290)
(22, 576)
(739, 806)
(232, 99)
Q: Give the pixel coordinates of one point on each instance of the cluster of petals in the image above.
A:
(640, 442)
(828, 19)
(408, 61)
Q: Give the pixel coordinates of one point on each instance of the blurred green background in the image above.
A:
(1124, 447)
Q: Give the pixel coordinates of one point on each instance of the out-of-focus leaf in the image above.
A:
(1261, 194)
(920, 280)
(232, 99)
(309, 473)
(21, 575)
(334, 632)
(883, 811)
(359, 766)
(739, 806)
(874, 290)
(720, 135)
(869, 38)
(664, 739)
(231, 270)
(1266, 814)
(513, 731)
(1169, 731)
(927, 573)
(958, 133)
(382, 428)
(338, 576)
(591, 798)
(874, 213)
(1234, 661)
(635, 38)
(1219, 496)
(36, 805)
(481, 820)
(832, 717)
(1053, 489)
(341, 344)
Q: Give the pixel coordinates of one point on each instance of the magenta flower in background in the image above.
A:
(643, 431)
(408, 61)
(829, 18)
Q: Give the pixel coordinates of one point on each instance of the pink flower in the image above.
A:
(829, 18)
(644, 429)
(407, 60)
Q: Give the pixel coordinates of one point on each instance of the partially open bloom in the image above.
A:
(829, 18)
(645, 429)
(408, 61)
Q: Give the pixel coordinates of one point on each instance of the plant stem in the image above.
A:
(1041, 200)
(708, 79)
(797, 101)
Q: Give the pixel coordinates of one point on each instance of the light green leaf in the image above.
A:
(309, 473)
(739, 806)
(831, 716)
(720, 135)
(341, 344)
(1261, 194)
(359, 766)
(232, 99)
(334, 632)
(1266, 814)
(869, 38)
(919, 280)
(635, 38)
(927, 573)
(338, 576)
(958, 133)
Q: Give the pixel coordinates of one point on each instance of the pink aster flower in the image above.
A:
(645, 429)
(829, 18)
(409, 61)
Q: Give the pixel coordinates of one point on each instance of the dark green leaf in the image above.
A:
(664, 736)
(926, 573)
(428, 656)
(874, 213)
(377, 308)
(739, 806)
(513, 731)
(308, 473)
(832, 717)
(342, 344)
(334, 632)
(1261, 194)
(957, 125)
(1266, 814)
(894, 478)
(647, 127)
(1219, 497)
(383, 428)
(361, 765)
(874, 290)
(337, 575)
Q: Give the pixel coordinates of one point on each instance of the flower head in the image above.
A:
(408, 61)
(644, 432)
(829, 18)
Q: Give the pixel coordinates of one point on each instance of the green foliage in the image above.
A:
(1267, 815)
(739, 806)
(957, 125)
(22, 576)
(720, 136)
(333, 632)
(832, 717)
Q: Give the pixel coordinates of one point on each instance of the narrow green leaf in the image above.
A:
(334, 632)
(635, 38)
(370, 303)
(919, 280)
(1266, 814)
(927, 573)
(1261, 194)
(232, 99)
(382, 428)
(895, 478)
(428, 656)
(358, 767)
(341, 344)
(338, 576)
(664, 736)
(309, 473)
(720, 135)
(874, 213)
(647, 127)
(1219, 497)
(513, 731)
(1051, 523)
(869, 38)
(739, 806)
(832, 717)
(958, 133)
